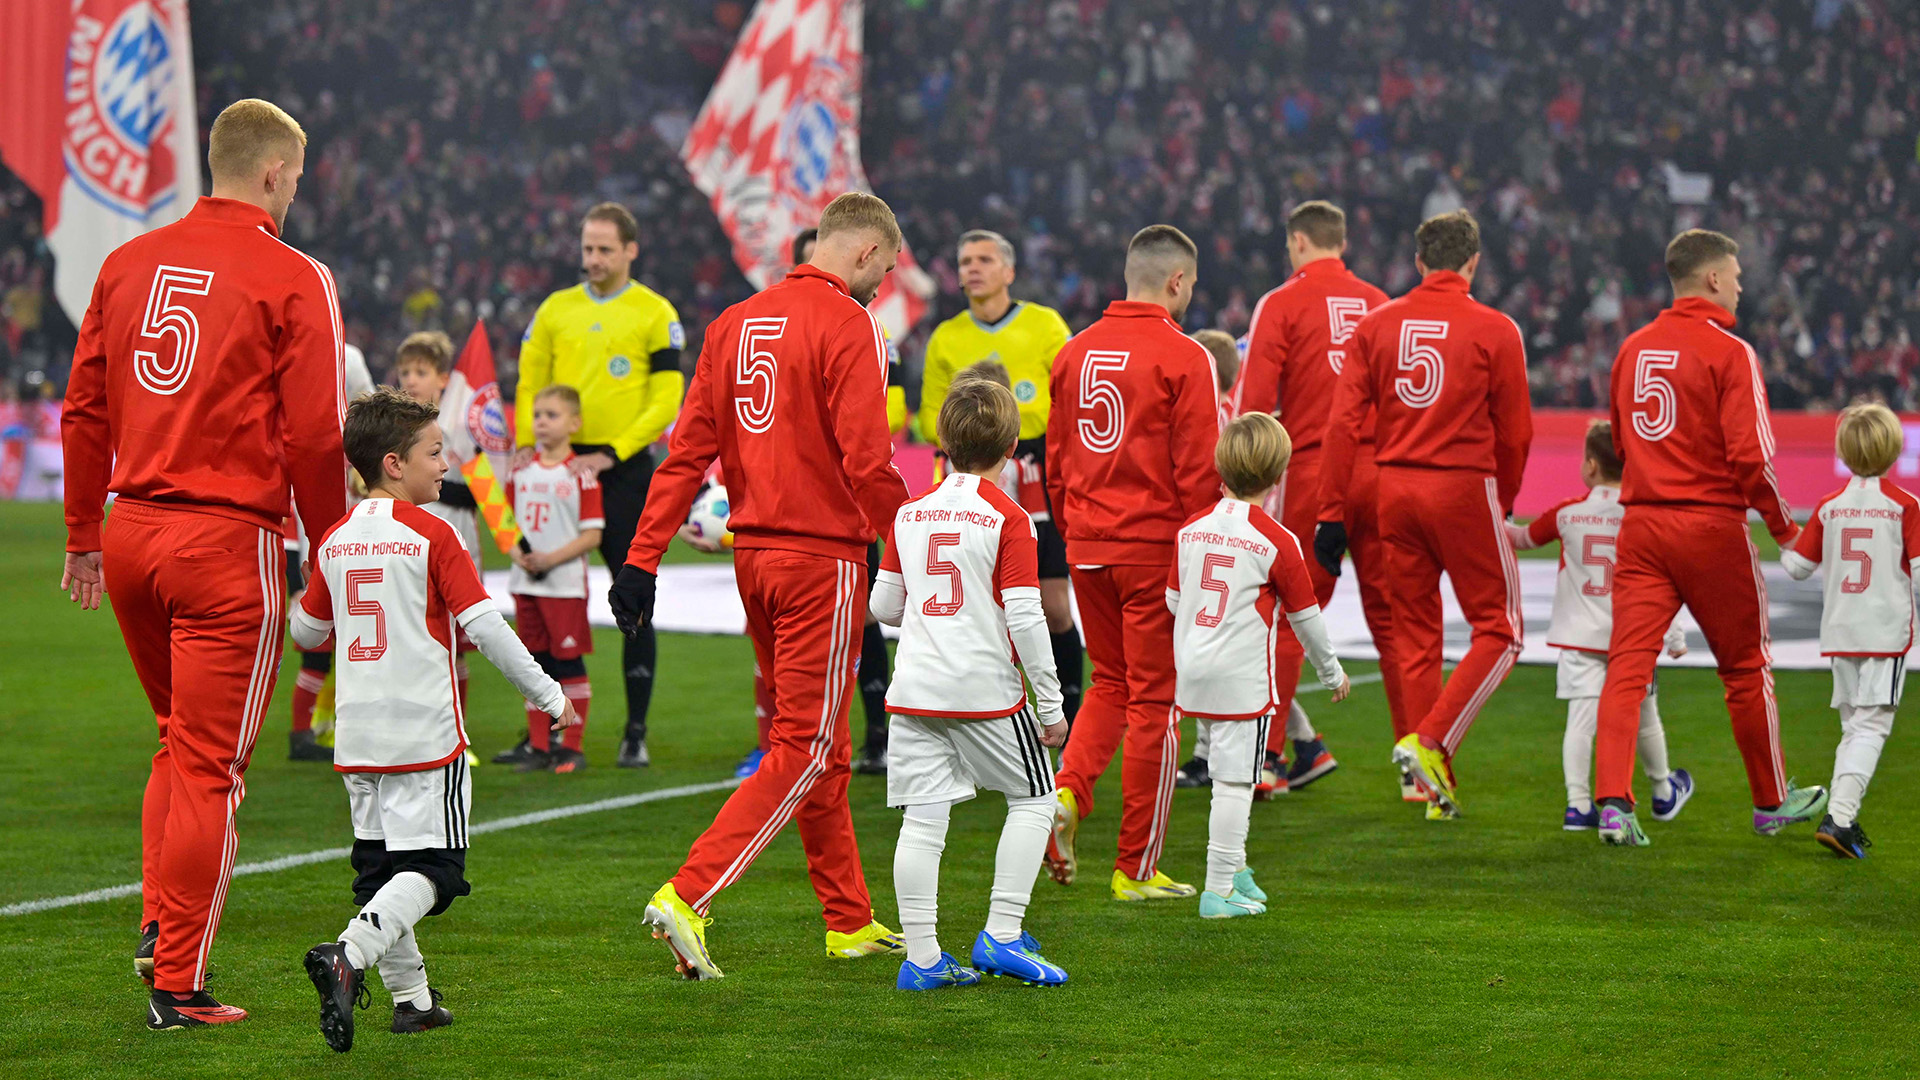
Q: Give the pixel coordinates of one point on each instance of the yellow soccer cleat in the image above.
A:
(684, 931)
(1157, 887)
(1428, 764)
(1440, 811)
(1066, 822)
(870, 940)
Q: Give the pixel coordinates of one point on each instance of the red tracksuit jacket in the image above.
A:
(791, 395)
(1690, 418)
(1298, 346)
(208, 374)
(1448, 376)
(1130, 439)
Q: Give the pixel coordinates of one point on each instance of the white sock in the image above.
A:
(399, 904)
(1653, 746)
(1023, 843)
(1298, 726)
(1863, 731)
(916, 878)
(403, 971)
(1576, 751)
(1227, 834)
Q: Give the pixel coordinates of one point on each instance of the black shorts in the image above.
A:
(374, 866)
(1053, 550)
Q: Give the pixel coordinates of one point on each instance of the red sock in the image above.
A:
(306, 692)
(580, 692)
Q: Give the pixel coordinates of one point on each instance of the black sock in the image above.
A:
(873, 686)
(1069, 658)
(637, 657)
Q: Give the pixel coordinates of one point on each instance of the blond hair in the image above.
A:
(562, 391)
(1869, 439)
(429, 346)
(978, 424)
(857, 211)
(1252, 453)
(1696, 249)
(1226, 356)
(248, 134)
(992, 371)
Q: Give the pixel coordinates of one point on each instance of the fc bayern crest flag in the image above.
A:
(97, 117)
(779, 137)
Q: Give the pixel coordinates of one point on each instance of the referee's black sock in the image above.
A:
(1069, 658)
(637, 658)
(874, 677)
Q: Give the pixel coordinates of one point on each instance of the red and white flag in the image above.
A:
(475, 418)
(779, 137)
(97, 117)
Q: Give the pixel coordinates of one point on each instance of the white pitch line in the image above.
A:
(288, 862)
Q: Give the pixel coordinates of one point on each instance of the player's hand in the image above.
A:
(522, 458)
(699, 543)
(82, 580)
(567, 718)
(536, 562)
(1329, 544)
(1054, 734)
(591, 464)
(519, 559)
(632, 599)
(1676, 643)
(1346, 687)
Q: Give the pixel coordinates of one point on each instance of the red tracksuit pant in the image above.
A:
(1129, 636)
(1300, 511)
(201, 601)
(1705, 559)
(805, 614)
(1448, 519)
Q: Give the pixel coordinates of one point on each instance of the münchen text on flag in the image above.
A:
(97, 116)
(779, 137)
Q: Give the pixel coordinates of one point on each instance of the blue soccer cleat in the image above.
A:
(1243, 884)
(1681, 784)
(749, 764)
(945, 974)
(1016, 960)
(1576, 821)
(1232, 906)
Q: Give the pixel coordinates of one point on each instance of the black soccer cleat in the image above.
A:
(305, 746)
(514, 754)
(568, 761)
(534, 761)
(407, 1019)
(872, 761)
(168, 1011)
(143, 955)
(342, 986)
(1193, 774)
(633, 754)
(1846, 841)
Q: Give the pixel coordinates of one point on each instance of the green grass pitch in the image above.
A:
(1492, 946)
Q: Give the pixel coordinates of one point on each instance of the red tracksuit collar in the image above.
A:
(233, 212)
(1699, 307)
(1135, 309)
(1444, 281)
(1322, 266)
(808, 270)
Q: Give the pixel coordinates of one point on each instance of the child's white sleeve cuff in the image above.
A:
(1797, 565)
(308, 632)
(889, 600)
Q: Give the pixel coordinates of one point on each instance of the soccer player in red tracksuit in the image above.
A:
(1129, 460)
(1295, 351)
(1690, 423)
(791, 396)
(1448, 378)
(206, 381)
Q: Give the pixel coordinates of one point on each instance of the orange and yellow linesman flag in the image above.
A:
(480, 435)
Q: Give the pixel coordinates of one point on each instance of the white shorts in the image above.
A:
(412, 810)
(1583, 674)
(936, 759)
(1868, 680)
(1236, 749)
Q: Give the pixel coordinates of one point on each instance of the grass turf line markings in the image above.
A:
(288, 862)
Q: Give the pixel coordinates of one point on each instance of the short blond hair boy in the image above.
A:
(1252, 454)
(979, 423)
(1869, 439)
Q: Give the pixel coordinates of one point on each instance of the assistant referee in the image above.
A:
(618, 343)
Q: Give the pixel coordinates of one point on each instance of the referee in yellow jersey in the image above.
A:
(618, 343)
(1023, 338)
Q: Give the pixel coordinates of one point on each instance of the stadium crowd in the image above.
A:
(458, 147)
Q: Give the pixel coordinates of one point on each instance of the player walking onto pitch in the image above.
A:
(961, 579)
(396, 581)
(1129, 458)
(790, 395)
(205, 386)
(1447, 378)
(1588, 529)
(1690, 424)
(1237, 576)
(1866, 623)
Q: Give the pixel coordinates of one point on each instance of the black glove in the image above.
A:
(1329, 544)
(632, 599)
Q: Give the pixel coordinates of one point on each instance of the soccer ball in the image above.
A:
(709, 517)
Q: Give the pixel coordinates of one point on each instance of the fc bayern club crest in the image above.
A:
(486, 420)
(121, 67)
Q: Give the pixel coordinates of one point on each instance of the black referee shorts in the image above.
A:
(623, 498)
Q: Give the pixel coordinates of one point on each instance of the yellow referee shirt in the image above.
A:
(621, 352)
(1024, 341)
